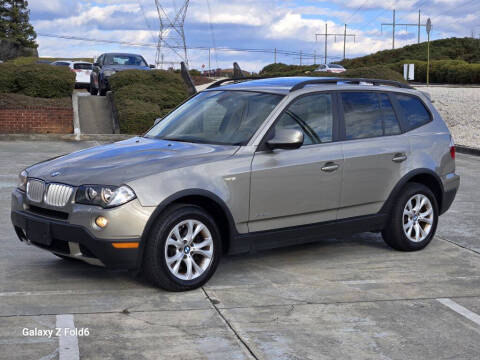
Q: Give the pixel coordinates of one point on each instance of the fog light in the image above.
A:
(101, 222)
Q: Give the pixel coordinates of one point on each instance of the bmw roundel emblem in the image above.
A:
(56, 173)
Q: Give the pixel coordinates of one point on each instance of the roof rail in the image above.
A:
(376, 82)
(236, 80)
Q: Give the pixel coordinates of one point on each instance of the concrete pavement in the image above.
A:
(350, 298)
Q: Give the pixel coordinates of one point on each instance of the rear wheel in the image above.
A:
(183, 249)
(413, 219)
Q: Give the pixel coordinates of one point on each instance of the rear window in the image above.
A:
(85, 66)
(368, 114)
(414, 112)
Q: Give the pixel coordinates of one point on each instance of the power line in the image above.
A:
(153, 45)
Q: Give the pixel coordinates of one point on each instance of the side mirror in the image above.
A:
(96, 64)
(151, 66)
(287, 139)
(157, 121)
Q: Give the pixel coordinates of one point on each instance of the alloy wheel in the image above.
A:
(189, 249)
(418, 217)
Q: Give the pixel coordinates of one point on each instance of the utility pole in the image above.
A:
(419, 25)
(344, 35)
(300, 57)
(209, 64)
(275, 56)
(429, 29)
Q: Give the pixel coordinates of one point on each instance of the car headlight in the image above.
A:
(104, 196)
(109, 72)
(22, 180)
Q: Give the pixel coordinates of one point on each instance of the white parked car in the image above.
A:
(82, 69)
(333, 68)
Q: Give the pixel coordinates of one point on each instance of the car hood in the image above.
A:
(124, 67)
(124, 161)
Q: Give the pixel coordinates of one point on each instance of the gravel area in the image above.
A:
(460, 108)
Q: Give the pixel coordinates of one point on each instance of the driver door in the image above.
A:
(302, 186)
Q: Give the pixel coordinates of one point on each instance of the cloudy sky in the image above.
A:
(288, 25)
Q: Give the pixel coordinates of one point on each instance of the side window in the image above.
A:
(390, 121)
(368, 114)
(414, 111)
(311, 114)
(363, 115)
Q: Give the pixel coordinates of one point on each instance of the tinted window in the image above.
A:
(390, 121)
(85, 66)
(369, 114)
(61, 63)
(363, 115)
(414, 111)
(311, 114)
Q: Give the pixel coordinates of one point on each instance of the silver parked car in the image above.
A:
(244, 167)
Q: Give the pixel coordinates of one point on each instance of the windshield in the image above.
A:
(335, 66)
(132, 60)
(217, 117)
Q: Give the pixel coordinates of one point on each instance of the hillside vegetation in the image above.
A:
(466, 49)
(372, 72)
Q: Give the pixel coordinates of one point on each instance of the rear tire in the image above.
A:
(174, 259)
(413, 219)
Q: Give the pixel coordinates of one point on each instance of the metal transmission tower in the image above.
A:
(171, 35)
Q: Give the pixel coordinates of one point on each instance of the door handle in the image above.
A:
(329, 167)
(400, 157)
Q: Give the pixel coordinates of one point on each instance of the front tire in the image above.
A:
(183, 248)
(413, 220)
(93, 89)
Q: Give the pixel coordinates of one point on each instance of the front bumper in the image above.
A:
(77, 236)
(75, 242)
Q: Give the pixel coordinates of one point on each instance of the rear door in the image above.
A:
(302, 186)
(376, 153)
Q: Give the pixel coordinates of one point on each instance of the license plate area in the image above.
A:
(38, 232)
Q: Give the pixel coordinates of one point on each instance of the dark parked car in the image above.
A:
(111, 63)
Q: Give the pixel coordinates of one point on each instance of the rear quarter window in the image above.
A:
(85, 66)
(414, 111)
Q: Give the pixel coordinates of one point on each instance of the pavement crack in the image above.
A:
(459, 245)
(214, 304)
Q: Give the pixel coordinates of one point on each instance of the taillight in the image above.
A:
(452, 148)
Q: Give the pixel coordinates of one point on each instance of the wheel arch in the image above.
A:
(203, 198)
(423, 176)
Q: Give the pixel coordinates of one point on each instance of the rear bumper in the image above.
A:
(451, 183)
(75, 241)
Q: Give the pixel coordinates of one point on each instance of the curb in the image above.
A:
(467, 150)
(65, 137)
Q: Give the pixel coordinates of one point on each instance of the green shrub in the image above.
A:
(37, 80)
(373, 72)
(142, 96)
(279, 69)
(7, 78)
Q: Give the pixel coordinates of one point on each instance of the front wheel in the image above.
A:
(92, 88)
(183, 249)
(413, 219)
